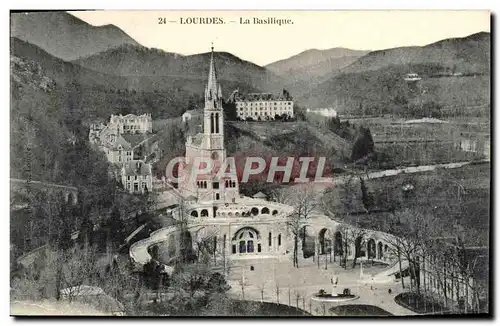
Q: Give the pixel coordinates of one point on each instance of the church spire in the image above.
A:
(211, 90)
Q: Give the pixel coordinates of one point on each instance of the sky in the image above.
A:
(264, 44)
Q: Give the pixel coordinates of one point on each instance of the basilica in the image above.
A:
(237, 225)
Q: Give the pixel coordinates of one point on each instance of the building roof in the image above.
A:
(253, 97)
(193, 112)
(260, 194)
(136, 167)
(136, 139)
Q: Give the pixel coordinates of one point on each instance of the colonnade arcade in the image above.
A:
(330, 242)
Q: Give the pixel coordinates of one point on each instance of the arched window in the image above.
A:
(194, 214)
(204, 213)
(245, 240)
(265, 210)
(227, 184)
(275, 212)
(254, 211)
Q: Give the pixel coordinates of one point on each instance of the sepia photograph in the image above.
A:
(252, 163)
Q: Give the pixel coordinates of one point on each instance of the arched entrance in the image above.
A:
(371, 249)
(380, 250)
(246, 241)
(186, 246)
(359, 249)
(325, 241)
(338, 245)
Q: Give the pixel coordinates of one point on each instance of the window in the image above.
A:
(250, 246)
(215, 185)
(243, 247)
(234, 249)
(258, 248)
(279, 240)
(217, 197)
(269, 239)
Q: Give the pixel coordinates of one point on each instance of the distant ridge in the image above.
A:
(64, 35)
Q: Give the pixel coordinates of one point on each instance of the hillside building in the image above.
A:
(123, 141)
(190, 114)
(132, 124)
(263, 106)
(136, 177)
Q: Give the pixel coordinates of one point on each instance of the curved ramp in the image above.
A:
(387, 275)
(139, 250)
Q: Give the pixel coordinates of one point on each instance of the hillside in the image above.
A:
(312, 58)
(470, 54)
(95, 94)
(185, 71)
(374, 84)
(64, 35)
(311, 67)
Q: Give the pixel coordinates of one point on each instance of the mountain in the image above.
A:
(314, 58)
(465, 54)
(455, 73)
(64, 35)
(60, 71)
(184, 71)
(309, 68)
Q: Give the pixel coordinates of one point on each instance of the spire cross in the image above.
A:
(212, 46)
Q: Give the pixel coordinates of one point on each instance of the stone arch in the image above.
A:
(254, 211)
(265, 210)
(338, 244)
(186, 244)
(206, 239)
(246, 241)
(194, 213)
(204, 213)
(371, 249)
(358, 247)
(275, 212)
(380, 252)
(324, 241)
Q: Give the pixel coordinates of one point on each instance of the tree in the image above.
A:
(366, 197)
(363, 144)
(303, 200)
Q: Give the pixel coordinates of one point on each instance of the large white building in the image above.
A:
(132, 124)
(263, 106)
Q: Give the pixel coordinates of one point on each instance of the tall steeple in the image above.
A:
(213, 113)
(211, 90)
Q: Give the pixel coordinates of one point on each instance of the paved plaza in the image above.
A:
(298, 285)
